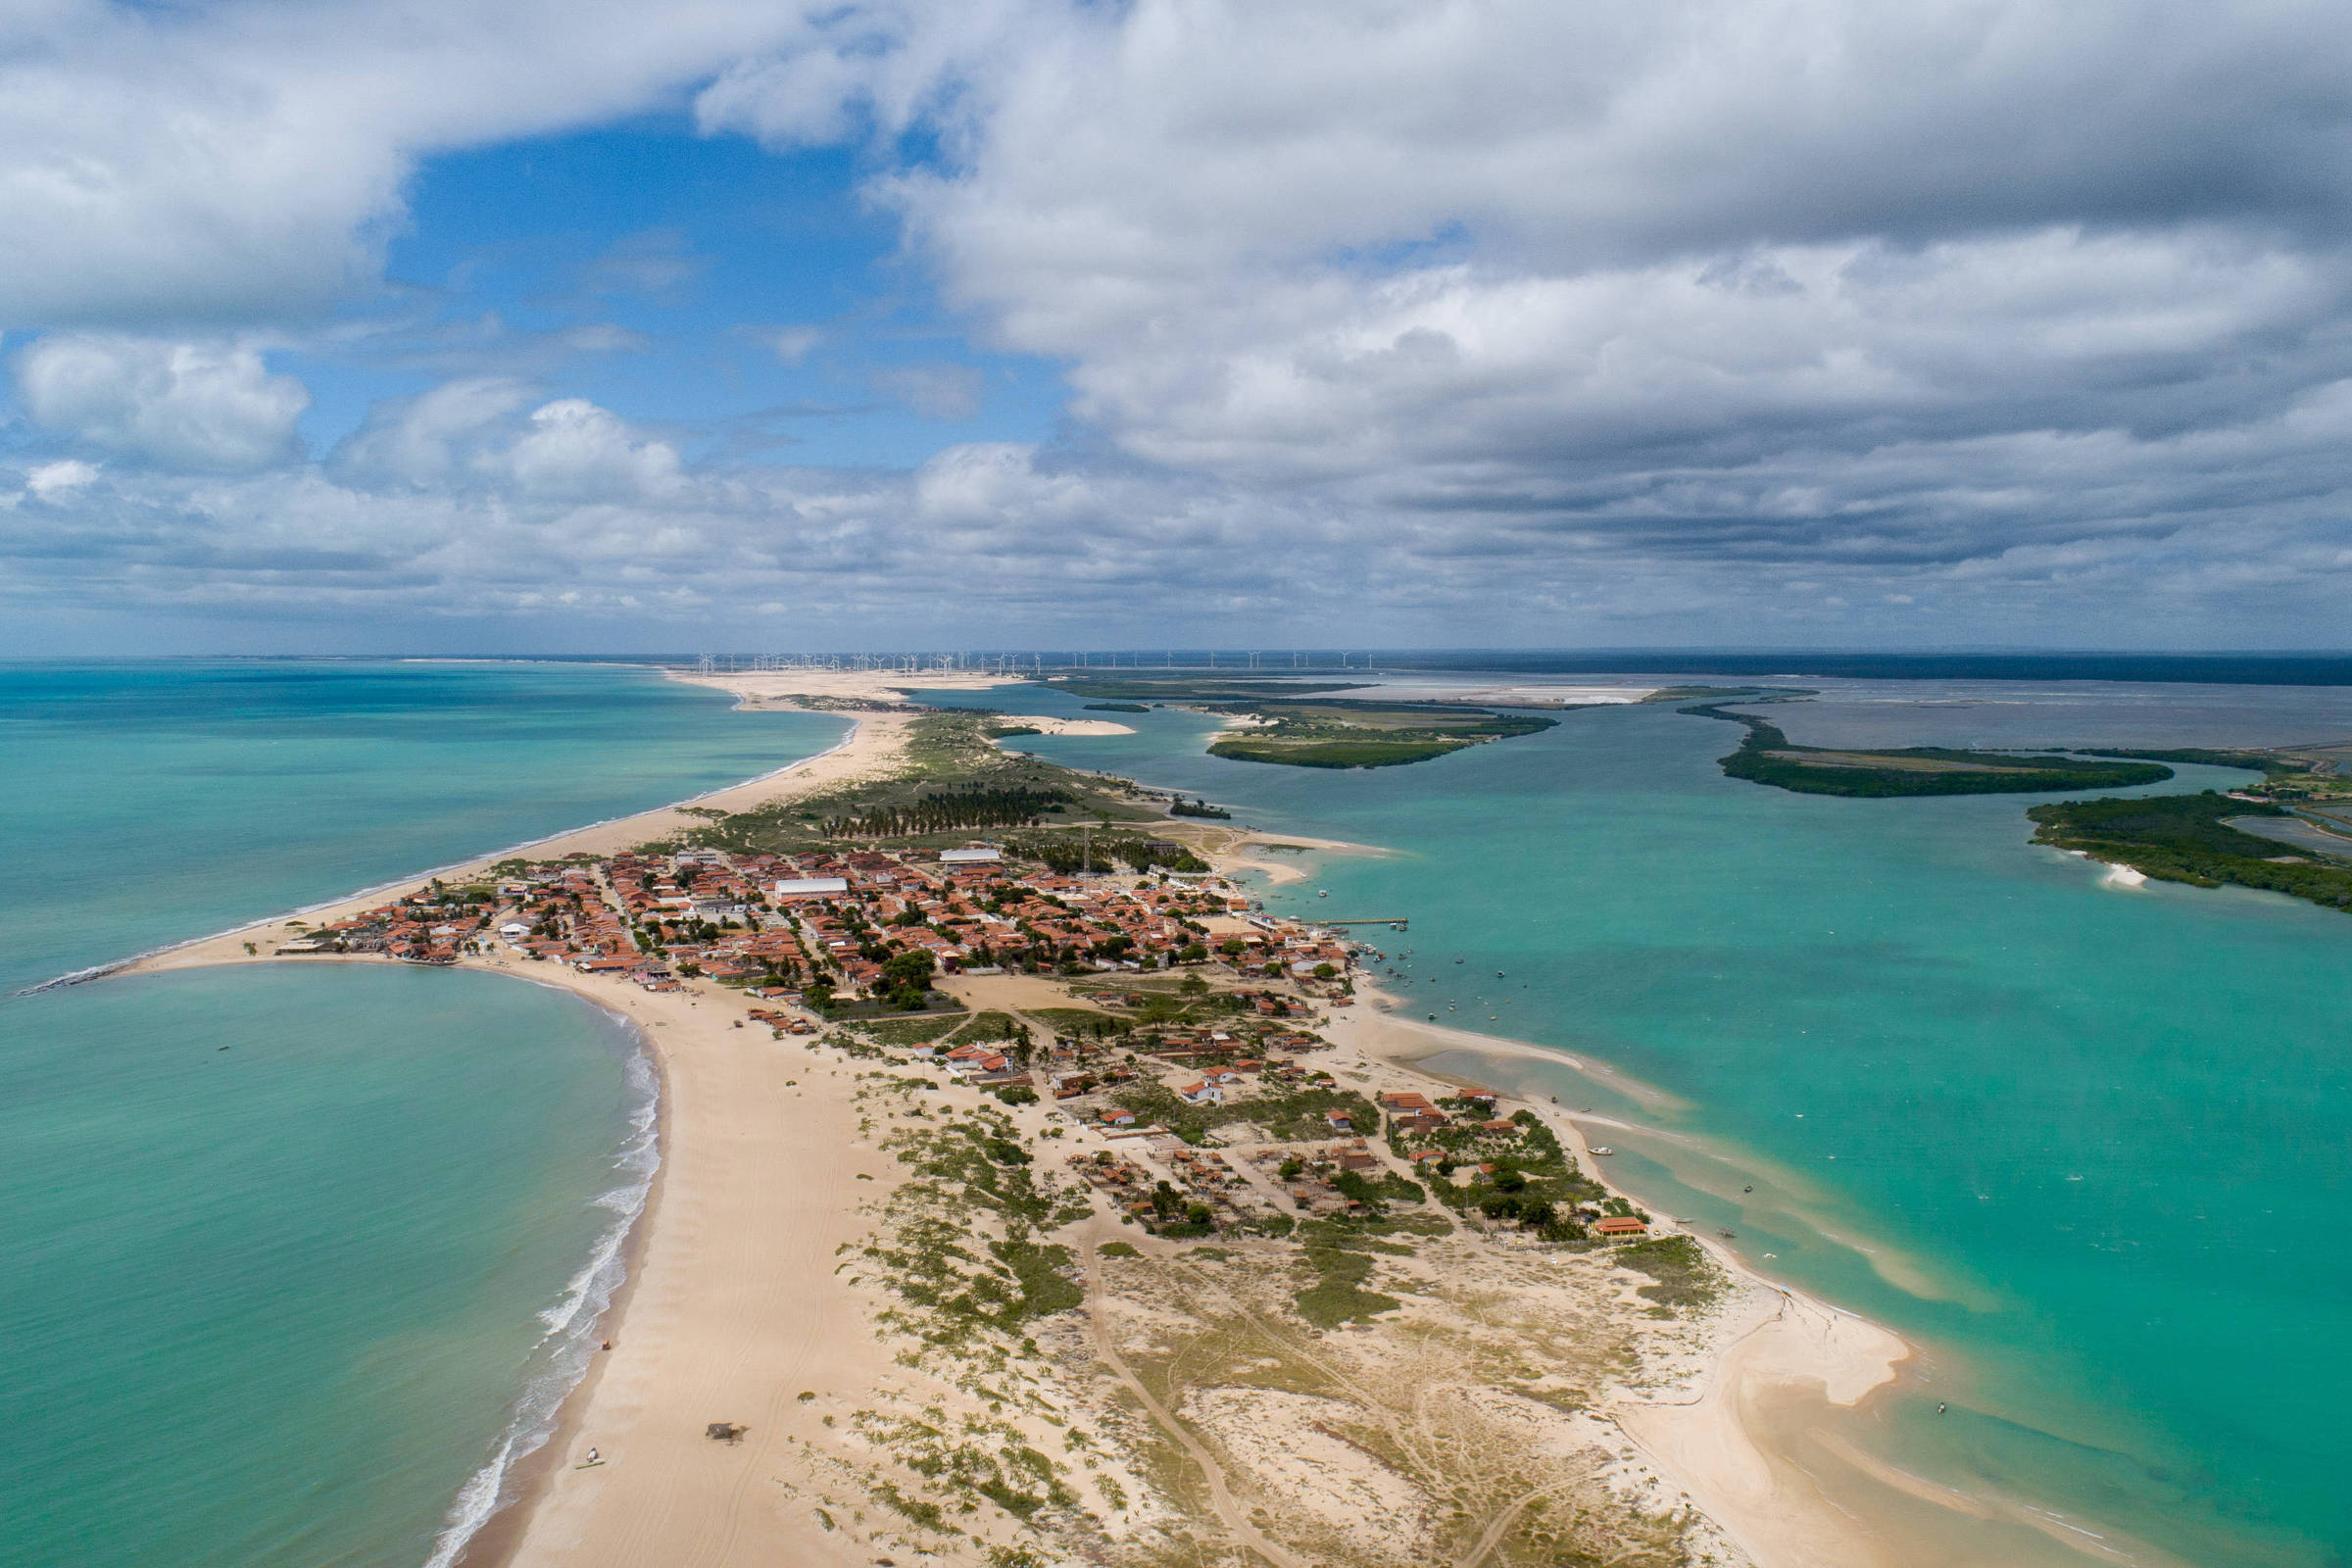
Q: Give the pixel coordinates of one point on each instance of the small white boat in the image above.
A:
(1602, 1148)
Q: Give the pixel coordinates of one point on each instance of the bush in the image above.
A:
(1684, 1275)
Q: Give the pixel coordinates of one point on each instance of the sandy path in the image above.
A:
(1229, 1509)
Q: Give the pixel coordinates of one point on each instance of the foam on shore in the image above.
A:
(568, 1347)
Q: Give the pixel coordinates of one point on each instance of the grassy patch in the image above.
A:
(952, 783)
(1285, 1118)
(1684, 1275)
(1080, 1021)
(1338, 1294)
(912, 1031)
(1334, 753)
(990, 1025)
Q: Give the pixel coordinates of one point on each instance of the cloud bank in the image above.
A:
(1800, 321)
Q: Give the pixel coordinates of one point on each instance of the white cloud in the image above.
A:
(50, 481)
(1561, 322)
(575, 449)
(426, 439)
(244, 160)
(187, 404)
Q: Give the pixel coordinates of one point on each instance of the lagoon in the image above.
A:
(2080, 1142)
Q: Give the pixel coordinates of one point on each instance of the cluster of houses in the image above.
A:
(780, 922)
(434, 926)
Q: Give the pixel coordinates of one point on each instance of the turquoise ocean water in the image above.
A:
(2083, 1145)
(291, 1301)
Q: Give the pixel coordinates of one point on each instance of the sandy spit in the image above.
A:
(732, 1309)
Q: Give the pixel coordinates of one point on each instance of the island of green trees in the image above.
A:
(1767, 756)
(2188, 838)
(1301, 724)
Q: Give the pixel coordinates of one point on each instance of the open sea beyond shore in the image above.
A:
(2079, 1143)
(295, 1255)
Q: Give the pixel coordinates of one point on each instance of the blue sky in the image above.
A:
(707, 253)
(350, 328)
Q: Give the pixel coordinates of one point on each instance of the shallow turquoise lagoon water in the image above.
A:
(2083, 1144)
(282, 1304)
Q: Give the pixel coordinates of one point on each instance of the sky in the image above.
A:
(761, 327)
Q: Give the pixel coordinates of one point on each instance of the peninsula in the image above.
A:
(1029, 1195)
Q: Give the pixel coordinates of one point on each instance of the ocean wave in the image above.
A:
(568, 1348)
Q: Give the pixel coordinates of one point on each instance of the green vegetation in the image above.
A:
(2320, 774)
(952, 782)
(1766, 756)
(1119, 1249)
(1288, 1116)
(1376, 1195)
(2269, 762)
(911, 1031)
(1533, 1182)
(1311, 727)
(1686, 1276)
(2184, 838)
(1065, 855)
(1338, 1294)
(948, 1289)
(970, 805)
(1076, 1021)
(1118, 707)
(1716, 694)
(1334, 753)
(1349, 734)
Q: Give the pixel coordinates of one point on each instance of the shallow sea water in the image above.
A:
(293, 1256)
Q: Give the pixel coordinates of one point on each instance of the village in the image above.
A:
(1176, 1060)
(1109, 1126)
